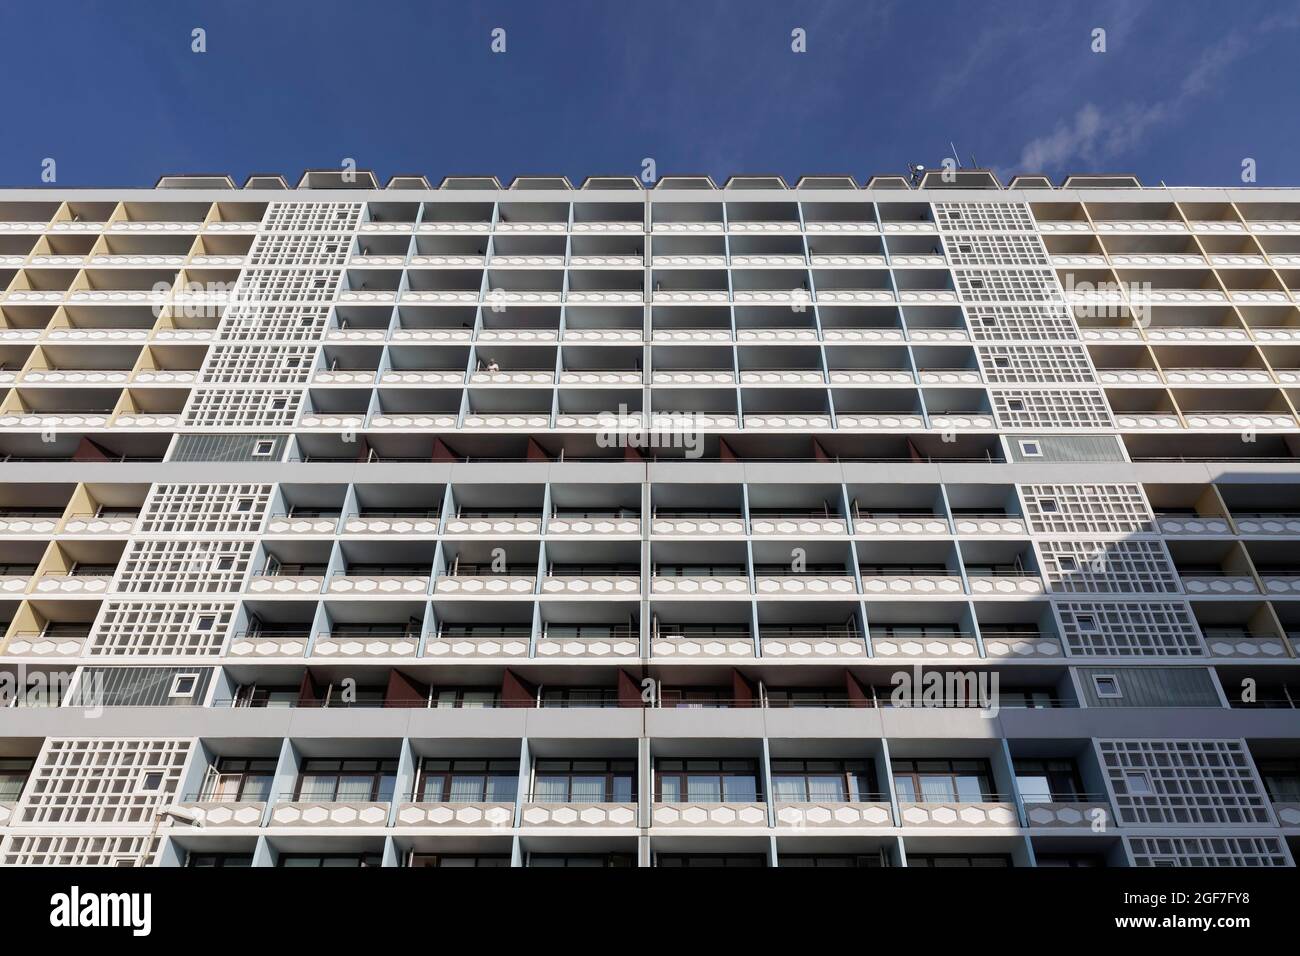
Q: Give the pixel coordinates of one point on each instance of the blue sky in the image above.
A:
(1184, 92)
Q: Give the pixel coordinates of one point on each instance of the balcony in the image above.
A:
(215, 810)
(703, 523)
(771, 582)
(366, 642)
(994, 811)
(1006, 584)
(689, 643)
(620, 581)
(705, 585)
(1082, 811)
(546, 814)
(780, 642)
(493, 523)
(483, 583)
(884, 582)
(456, 642)
(708, 815)
(290, 811)
(378, 581)
(779, 523)
(819, 814)
(454, 815)
(940, 643)
(285, 641)
(587, 641)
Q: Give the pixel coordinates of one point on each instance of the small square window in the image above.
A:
(988, 321)
(1067, 562)
(205, 622)
(1015, 405)
(1031, 449)
(977, 283)
(264, 448)
(1086, 623)
(1048, 506)
(244, 504)
(1138, 783)
(224, 563)
(1001, 361)
(151, 781)
(279, 404)
(184, 685)
(1107, 687)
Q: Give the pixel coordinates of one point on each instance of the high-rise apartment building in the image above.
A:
(909, 524)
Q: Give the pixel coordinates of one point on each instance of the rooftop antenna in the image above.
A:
(917, 171)
(955, 157)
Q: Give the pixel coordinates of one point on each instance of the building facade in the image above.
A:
(914, 523)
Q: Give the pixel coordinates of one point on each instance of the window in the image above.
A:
(749, 861)
(1015, 405)
(1049, 506)
(1047, 781)
(581, 860)
(219, 859)
(1067, 563)
(1086, 623)
(13, 776)
(224, 563)
(1031, 449)
(707, 781)
(811, 781)
(1001, 361)
(443, 860)
(151, 781)
(1281, 779)
(264, 448)
(328, 860)
(467, 781)
(1107, 686)
(239, 780)
(1137, 783)
(584, 781)
(279, 404)
(347, 781)
(244, 504)
(184, 685)
(205, 622)
(943, 781)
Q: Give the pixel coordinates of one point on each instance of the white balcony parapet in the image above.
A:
(454, 227)
(413, 420)
(706, 815)
(599, 377)
(912, 584)
(880, 422)
(1006, 585)
(783, 225)
(909, 226)
(1217, 225)
(693, 377)
(691, 648)
(184, 335)
(606, 262)
(67, 333)
(938, 335)
(1148, 420)
(782, 377)
(368, 645)
(517, 377)
(1219, 584)
(1268, 524)
(344, 376)
(388, 227)
(332, 420)
(163, 376)
(814, 646)
(432, 335)
(356, 335)
(691, 527)
(568, 647)
(840, 227)
(682, 261)
(377, 261)
(1058, 814)
(951, 376)
(862, 335)
(560, 525)
(578, 815)
(690, 297)
(796, 524)
(1196, 334)
(872, 376)
(834, 814)
(463, 647)
(520, 420)
(1246, 645)
(459, 262)
(91, 524)
(1195, 524)
(602, 335)
(53, 420)
(926, 295)
(368, 295)
(989, 524)
(493, 525)
(751, 261)
(225, 813)
(503, 226)
(126, 225)
(925, 646)
(1009, 645)
(691, 335)
(425, 376)
(596, 296)
(518, 335)
(1129, 376)
(136, 420)
(792, 420)
(846, 260)
(1260, 225)
(958, 814)
(286, 524)
(908, 525)
(616, 585)
(284, 584)
(806, 584)
(456, 815)
(39, 645)
(701, 227)
(321, 813)
(397, 524)
(1140, 225)
(1217, 376)
(961, 421)
(484, 585)
(700, 586)
(378, 584)
(854, 295)
(1280, 583)
(1164, 259)
(1239, 420)
(27, 524)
